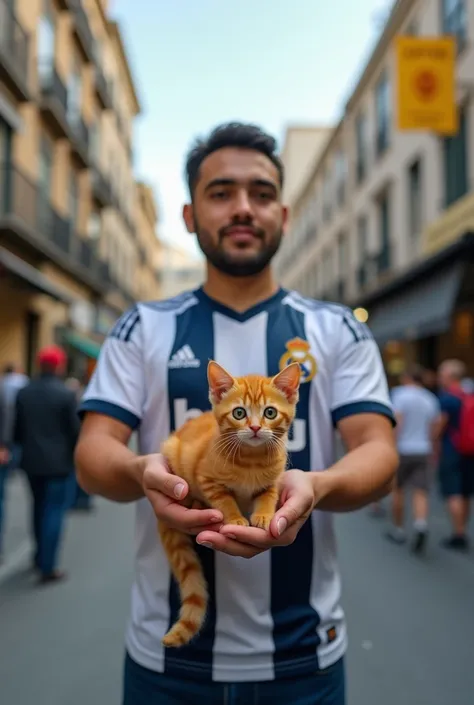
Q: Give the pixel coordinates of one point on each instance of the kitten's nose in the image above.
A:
(255, 429)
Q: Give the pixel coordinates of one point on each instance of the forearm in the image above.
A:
(363, 476)
(107, 467)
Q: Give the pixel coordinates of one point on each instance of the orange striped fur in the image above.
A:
(230, 467)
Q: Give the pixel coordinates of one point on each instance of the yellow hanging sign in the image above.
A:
(426, 84)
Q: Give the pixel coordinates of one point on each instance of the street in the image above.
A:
(411, 621)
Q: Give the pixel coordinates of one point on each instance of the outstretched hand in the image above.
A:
(165, 492)
(297, 500)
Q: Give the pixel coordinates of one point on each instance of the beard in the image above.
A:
(232, 264)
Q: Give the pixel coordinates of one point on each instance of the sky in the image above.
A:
(197, 63)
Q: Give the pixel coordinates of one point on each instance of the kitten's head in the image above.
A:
(255, 410)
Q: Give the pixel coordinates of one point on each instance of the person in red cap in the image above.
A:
(47, 428)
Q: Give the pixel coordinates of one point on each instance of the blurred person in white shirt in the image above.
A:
(418, 415)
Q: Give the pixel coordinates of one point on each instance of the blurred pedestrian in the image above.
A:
(456, 466)
(10, 383)
(47, 427)
(418, 414)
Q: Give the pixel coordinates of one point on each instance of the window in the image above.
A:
(5, 158)
(73, 200)
(455, 163)
(327, 195)
(455, 20)
(382, 105)
(413, 29)
(384, 230)
(44, 184)
(361, 146)
(94, 140)
(340, 173)
(46, 44)
(362, 242)
(74, 92)
(415, 196)
(343, 257)
(93, 226)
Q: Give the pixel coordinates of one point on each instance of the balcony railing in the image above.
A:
(101, 188)
(14, 52)
(102, 86)
(54, 98)
(82, 29)
(26, 212)
(80, 138)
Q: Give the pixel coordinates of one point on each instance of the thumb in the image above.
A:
(287, 515)
(165, 481)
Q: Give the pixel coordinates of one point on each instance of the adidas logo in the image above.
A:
(184, 357)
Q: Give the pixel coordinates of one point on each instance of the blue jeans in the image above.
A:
(51, 497)
(145, 687)
(13, 462)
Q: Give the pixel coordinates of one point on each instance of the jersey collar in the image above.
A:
(265, 305)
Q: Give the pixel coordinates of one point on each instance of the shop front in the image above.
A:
(427, 314)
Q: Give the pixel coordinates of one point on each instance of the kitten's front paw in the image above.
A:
(261, 521)
(236, 521)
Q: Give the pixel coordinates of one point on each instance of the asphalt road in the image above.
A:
(411, 621)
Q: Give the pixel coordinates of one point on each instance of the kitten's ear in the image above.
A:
(288, 381)
(220, 382)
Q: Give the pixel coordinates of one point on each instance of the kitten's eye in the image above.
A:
(270, 412)
(239, 413)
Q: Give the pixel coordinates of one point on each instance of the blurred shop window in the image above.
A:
(455, 162)
(455, 20)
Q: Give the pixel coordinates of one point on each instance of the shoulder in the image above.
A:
(143, 315)
(449, 402)
(329, 317)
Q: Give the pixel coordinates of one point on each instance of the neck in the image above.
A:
(239, 293)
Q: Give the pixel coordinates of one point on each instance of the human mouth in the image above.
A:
(241, 235)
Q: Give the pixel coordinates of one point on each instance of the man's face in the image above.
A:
(237, 213)
(444, 377)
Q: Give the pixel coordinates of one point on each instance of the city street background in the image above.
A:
(411, 620)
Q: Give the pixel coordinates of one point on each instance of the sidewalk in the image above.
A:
(16, 541)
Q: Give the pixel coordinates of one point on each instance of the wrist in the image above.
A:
(325, 482)
(137, 468)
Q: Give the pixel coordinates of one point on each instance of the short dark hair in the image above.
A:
(232, 134)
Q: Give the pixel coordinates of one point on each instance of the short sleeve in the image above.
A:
(117, 386)
(359, 384)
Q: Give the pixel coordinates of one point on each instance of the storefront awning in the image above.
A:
(30, 277)
(84, 345)
(421, 309)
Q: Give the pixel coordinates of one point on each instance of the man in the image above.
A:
(12, 381)
(47, 427)
(418, 415)
(275, 631)
(456, 472)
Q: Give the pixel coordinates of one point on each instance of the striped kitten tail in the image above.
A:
(189, 575)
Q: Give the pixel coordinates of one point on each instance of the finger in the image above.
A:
(195, 530)
(174, 513)
(159, 477)
(295, 508)
(259, 538)
(219, 542)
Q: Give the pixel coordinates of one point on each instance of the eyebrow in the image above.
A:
(231, 182)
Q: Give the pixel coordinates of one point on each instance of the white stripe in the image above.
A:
(188, 352)
(181, 355)
(244, 624)
(325, 590)
(150, 612)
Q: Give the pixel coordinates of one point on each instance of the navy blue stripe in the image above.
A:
(294, 619)
(362, 407)
(188, 390)
(121, 323)
(109, 409)
(131, 327)
(349, 325)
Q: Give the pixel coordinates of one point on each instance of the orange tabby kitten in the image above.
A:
(231, 458)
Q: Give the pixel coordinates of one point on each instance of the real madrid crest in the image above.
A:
(298, 351)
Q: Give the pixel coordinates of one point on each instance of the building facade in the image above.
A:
(149, 246)
(178, 270)
(386, 219)
(69, 250)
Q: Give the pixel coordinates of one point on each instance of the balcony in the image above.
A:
(82, 30)
(53, 100)
(28, 219)
(102, 87)
(101, 188)
(14, 53)
(79, 133)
